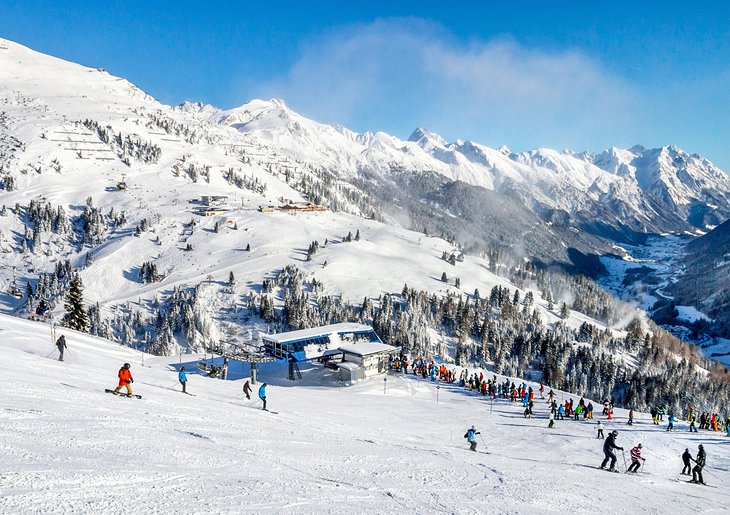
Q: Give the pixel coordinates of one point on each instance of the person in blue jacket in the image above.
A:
(183, 378)
(262, 394)
(670, 427)
(471, 438)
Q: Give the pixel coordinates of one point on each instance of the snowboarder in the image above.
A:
(61, 344)
(687, 458)
(262, 395)
(471, 438)
(125, 379)
(608, 446)
(600, 431)
(636, 459)
(183, 378)
(700, 464)
(247, 390)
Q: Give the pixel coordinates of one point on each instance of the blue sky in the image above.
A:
(581, 75)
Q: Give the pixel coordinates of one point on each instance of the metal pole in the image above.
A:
(438, 387)
(385, 383)
(253, 372)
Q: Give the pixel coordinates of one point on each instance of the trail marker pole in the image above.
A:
(385, 383)
(438, 387)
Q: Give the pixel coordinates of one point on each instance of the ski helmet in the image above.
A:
(473, 428)
(614, 433)
(701, 446)
(639, 446)
(127, 365)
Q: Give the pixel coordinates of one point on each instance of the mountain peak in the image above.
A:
(425, 137)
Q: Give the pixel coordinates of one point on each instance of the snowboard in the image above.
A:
(122, 394)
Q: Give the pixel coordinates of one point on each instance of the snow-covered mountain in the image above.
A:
(164, 214)
(96, 172)
(620, 194)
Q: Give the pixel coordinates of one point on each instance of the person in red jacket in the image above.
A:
(636, 459)
(125, 379)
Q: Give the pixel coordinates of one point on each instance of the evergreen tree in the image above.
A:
(76, 317)
(564, 311)
(444, 279)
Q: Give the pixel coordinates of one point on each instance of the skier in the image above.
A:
(247, 390)
(183, 378)
(551, 418)
(670, 427)
(262, 395)
(692, 424)
(631, 417)
(700, 464)
(636, 459)
(125, 379)
(61, 344)
(600, 431)
(471, 438)
(687, 458)
(608, 446)
(42, 309)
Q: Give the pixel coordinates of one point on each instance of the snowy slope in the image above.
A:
(70, 447)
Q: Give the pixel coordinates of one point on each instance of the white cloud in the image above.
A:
(397, 74)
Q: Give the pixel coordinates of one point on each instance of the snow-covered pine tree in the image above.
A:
(76, 317)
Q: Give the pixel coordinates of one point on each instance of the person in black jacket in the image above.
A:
(61, 345)
(687, 458)
(608, 446)
(697, 470)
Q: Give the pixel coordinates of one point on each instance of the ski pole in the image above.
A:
(485, 443)
(626, 467)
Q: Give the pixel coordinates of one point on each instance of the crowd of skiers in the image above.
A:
(494, 389)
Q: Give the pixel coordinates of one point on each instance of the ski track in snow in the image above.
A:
(69, 447)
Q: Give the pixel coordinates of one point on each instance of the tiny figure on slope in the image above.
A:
(247, 389)
(183, 378)
(600, 431)
(551, 418)
(262, 395)
(471, 438)
(636, 459)
(693, 424)
(700, 464)
(631, 417)
(670, 427)
(686, 459)
(42, 309)
(608, 446)
(125, 379)
(61, 345)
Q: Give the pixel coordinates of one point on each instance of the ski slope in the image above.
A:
(69, 447)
